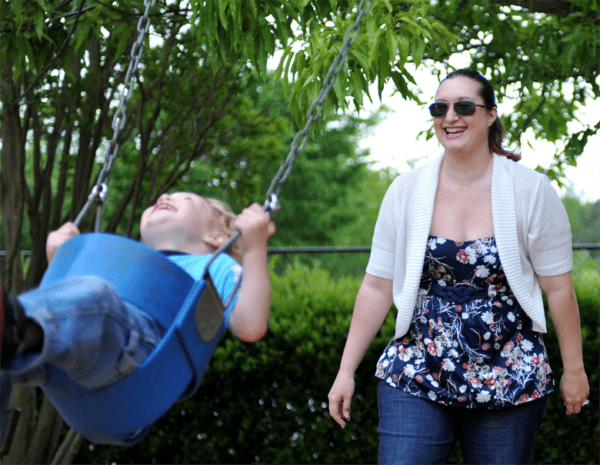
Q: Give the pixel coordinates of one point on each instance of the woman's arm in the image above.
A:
(564, 311)
(373, 301)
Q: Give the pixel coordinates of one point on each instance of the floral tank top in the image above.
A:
(470, 344)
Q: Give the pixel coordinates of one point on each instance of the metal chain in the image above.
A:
(298, 143)
(271, 204)
(99, 192)
(316, 108)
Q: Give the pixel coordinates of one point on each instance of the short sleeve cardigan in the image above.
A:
(531, 227)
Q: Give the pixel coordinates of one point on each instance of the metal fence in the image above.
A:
(339, 261)
(359, 249)
(348, 261)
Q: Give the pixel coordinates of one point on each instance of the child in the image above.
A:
(82, 325)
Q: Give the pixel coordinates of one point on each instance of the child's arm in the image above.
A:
(59, 237)
(248, 320)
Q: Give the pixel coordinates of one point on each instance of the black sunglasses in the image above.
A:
(462, 108)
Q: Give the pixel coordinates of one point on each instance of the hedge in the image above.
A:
(267, 402)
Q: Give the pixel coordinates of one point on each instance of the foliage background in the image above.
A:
(267, 402)
(202, 116)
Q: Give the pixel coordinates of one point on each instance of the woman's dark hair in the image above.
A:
(496, 131)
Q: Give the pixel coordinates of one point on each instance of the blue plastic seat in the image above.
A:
(191, 311)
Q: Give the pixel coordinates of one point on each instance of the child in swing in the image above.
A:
(82, 325)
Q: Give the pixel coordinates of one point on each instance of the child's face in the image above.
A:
(182, 214)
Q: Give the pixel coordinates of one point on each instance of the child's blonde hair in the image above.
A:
(226, 217)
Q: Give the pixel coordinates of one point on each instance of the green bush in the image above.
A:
(575, 438)
(267, 402)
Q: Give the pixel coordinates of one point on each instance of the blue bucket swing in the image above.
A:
(123, 413)
(191, 310)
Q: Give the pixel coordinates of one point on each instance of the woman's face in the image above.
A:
(463, 134)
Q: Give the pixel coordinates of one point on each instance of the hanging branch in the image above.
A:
(51, 62)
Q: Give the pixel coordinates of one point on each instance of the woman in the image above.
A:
(462, 247)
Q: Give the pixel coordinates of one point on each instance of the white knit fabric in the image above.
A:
(531, 227)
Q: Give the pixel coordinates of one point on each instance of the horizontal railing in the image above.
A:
(365, 249)
(339, 249)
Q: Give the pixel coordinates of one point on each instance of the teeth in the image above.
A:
(454, 131)
(165, 206)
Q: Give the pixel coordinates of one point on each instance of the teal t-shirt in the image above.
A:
(224, 272)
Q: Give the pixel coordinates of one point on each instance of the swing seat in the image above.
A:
(191, 311)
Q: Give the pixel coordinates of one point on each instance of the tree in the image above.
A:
(316, 196)
(62, 65)
(545, 52)
(60, 74)
(584, 218)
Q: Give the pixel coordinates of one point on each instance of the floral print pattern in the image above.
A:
(479, 354)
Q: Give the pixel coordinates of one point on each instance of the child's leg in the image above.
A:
(88, 331)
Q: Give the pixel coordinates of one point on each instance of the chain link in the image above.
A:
(271, 203)
(316, 108)
(118, 123)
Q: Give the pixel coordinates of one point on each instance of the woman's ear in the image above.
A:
(492, 115)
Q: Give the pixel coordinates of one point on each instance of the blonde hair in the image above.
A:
(226, 217)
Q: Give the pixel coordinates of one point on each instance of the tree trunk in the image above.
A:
(24, 398)
(12, 183)
(47, 431)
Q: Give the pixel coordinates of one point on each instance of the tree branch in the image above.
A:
(56, 56)
(532, 115)
(68, 449)
(560, 8)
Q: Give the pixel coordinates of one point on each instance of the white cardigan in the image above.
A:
(531, 227)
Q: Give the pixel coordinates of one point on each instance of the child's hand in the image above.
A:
(59, 237)
(255, 225)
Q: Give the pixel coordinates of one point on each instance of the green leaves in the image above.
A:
(310, 34)
(267, 402)
(549, 62)
(250, 30)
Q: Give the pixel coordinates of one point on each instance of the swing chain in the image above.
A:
(271, 204)
(98, 194)
(316, 108)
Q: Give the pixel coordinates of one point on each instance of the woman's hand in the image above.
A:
(574, 389)
(59, 237)
(340, 398)
(372, 304)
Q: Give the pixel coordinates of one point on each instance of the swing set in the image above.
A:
(124, 412)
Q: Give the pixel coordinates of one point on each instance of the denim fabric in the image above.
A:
(88, 331)
(413, 430)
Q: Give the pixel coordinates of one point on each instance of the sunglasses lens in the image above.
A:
(438, 109)
(464, 108)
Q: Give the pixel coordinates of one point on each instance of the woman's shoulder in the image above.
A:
(409, 178)
(532, 190)
(525, 179)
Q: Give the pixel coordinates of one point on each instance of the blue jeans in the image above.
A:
(418, 431)
(89, 332)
